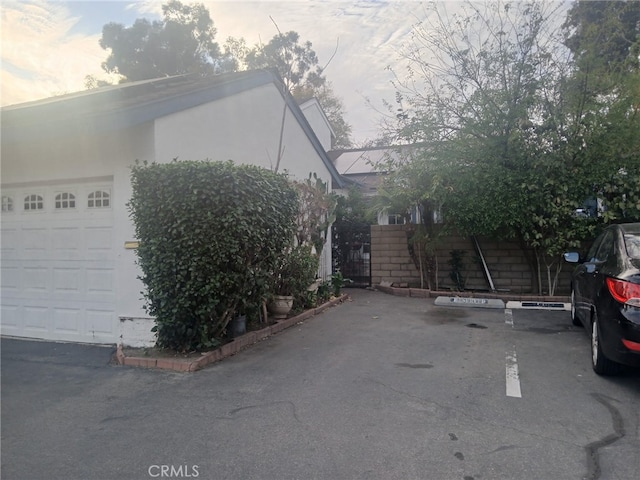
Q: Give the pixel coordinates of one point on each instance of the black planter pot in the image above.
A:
(237, 326)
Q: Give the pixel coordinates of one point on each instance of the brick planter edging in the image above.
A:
(228, 349)
(423, 293)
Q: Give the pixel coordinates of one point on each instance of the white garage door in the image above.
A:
(58, 275)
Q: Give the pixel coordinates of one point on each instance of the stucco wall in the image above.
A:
(510, 271)
(244, 128)
(85, 159)
(65, 157)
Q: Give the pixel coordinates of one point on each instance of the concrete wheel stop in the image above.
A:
(443, 301)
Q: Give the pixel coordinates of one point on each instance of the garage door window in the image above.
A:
(99, 199)
(33, 202)
(7, 204)
(65, 201)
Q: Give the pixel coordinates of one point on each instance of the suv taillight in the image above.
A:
(624, 292)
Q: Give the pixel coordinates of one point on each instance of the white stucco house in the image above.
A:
(68, 246)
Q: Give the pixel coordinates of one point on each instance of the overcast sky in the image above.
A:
(48, 47)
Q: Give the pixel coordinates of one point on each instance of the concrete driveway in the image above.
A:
(380, 387)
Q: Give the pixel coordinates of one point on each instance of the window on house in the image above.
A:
(99, 199)
(65, 200)
(33, 202)
(7, 204)
(396, 219)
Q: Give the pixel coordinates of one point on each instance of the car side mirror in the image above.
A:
(572, 257)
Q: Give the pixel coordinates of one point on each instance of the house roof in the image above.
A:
(360, 161)
(129, 104)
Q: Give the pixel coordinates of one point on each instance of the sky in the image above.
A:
(48, 47)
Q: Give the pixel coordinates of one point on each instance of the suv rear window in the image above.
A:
(632, 242)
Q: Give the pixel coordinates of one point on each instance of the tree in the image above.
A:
(91, 82)
(182, 42)
(604, 33)
(487, 90)
(613, 155)
(354, 209)
(235, 51)
(604, 38)
(413, 183)
(297, 64)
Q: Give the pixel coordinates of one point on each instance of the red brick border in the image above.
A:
(228, 349)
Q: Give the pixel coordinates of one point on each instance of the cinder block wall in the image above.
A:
(390, 259)
(510, 271)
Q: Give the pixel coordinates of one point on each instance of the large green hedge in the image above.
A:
(210, 235)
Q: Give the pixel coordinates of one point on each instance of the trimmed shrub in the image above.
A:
(211, 234)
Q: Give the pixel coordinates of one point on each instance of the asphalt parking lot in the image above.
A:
(380, 387)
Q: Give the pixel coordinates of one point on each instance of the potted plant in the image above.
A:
(337, 282)
(295, 271)
(237, 326)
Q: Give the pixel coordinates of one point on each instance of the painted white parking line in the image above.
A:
(512, 376)
(508, 316)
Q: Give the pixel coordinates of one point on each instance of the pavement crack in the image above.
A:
(449, 411)
(592, 450)
(503, 448)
